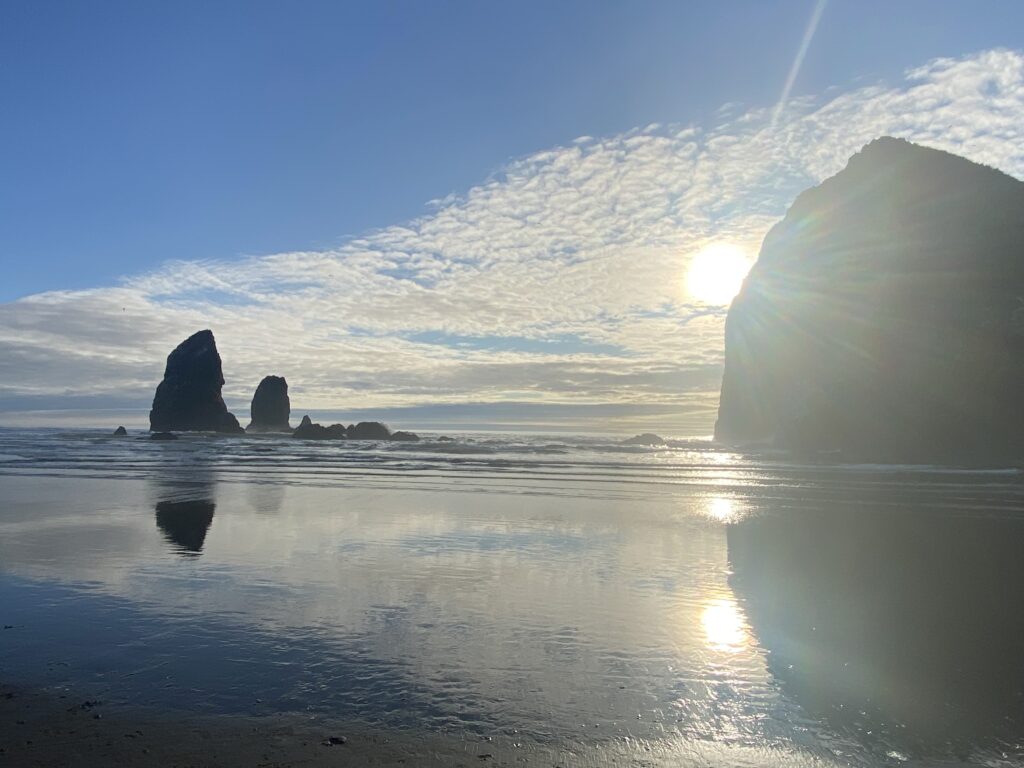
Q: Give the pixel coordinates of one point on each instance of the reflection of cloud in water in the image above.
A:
(485, 611)
(526, 612)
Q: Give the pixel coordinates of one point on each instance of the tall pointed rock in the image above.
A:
(189, 397)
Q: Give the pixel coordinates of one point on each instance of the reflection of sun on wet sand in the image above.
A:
(724, 509)
(724, 625)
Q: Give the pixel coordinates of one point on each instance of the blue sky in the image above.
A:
(138, 132)
(406, 206)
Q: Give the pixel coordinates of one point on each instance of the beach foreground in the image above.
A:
(43, 730)
(501, 600)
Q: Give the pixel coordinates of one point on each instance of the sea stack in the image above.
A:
(884, 317)
(189, 397)
(368, 430)
(307, 430)
(647, 438)
(271, 407)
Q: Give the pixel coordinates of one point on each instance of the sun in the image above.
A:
(716, 273)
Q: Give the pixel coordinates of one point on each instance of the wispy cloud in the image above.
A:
(560, 280)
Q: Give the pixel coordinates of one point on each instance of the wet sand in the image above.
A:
(241, 602)
(42, 729)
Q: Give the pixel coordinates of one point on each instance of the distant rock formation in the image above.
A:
(188, 398)
(368, 430)
(307, 430)
(647, 438)
(405, 437)
(271, 407)
(884, 317)
(364, 430)
(120, 432)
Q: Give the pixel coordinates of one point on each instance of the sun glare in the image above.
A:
(720, 509)
(716, 273)
(724, 626)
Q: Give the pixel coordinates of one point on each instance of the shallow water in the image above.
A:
(567, 593)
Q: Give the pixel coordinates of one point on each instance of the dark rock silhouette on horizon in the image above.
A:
(405, 437)
(368, 430)
(647, 438)
(271, 407)
(884, 317)
(364, 430)
(307, 430)
(120, 432)
(189, 397)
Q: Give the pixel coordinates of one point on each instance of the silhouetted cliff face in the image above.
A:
(271, 407)
(188, 398)
(885, 314)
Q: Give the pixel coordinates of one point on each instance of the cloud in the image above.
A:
(558, 281)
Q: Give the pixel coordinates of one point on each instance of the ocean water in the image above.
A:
(554, 594)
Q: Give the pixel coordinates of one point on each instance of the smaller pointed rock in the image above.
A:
(271, 407)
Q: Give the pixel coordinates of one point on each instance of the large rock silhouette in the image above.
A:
(368, 430)
(271, 407)
(189, 397)
(885, 315)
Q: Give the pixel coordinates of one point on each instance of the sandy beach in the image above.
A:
(510, 601)
(67, 731)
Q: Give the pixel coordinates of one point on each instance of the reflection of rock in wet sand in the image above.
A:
(265, 498)
(185, 523)
(905, 628)
(184, 493)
